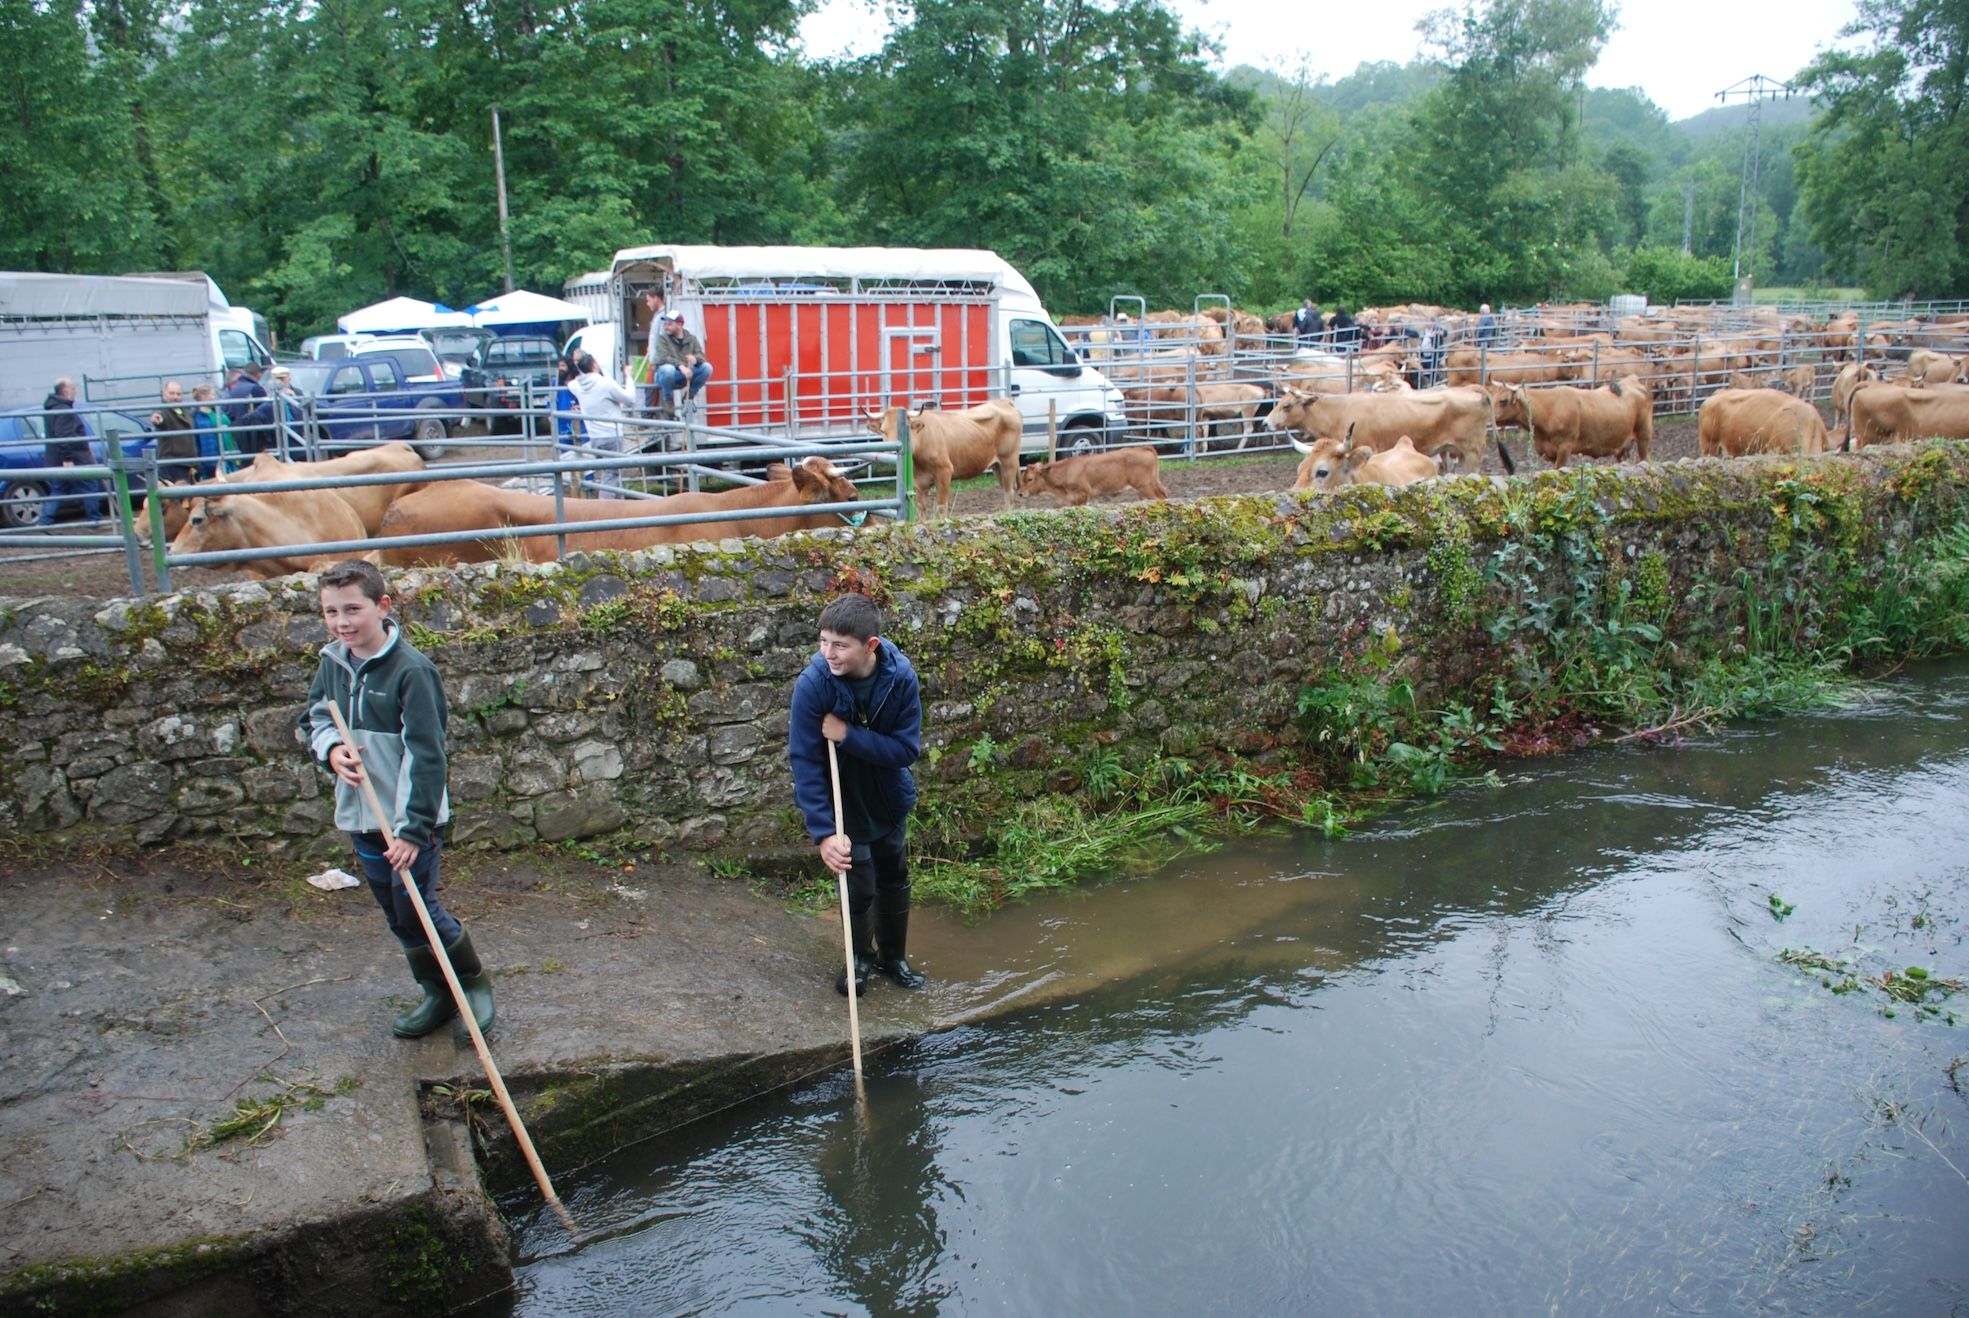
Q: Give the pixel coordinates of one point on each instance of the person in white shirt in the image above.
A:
(603, 403)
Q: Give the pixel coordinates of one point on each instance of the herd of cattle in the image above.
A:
(1386, 433)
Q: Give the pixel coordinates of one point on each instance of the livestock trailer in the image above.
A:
(805, 341)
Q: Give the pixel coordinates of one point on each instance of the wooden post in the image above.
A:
(1052, 429)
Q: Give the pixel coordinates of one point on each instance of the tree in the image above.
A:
(1881, 175)
(1298, 131)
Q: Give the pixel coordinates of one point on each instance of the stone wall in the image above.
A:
(647, 693)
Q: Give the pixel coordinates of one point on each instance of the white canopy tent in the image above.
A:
(523, 308)
(401, 313)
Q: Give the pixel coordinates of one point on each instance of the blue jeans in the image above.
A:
(387, 889)
(670, 378)
(88, 493)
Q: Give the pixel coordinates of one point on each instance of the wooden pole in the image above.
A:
(1052, 429)
(458, 991)
(847, 928)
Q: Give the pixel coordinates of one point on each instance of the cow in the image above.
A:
(245, 520)
(1468, 366)
(1802, 380)
(1892, 413)
(947, 446)
(1734, 422)
(1925, 366)
(1596, 423)
(451, 506)
(1851, 376)
(1747, 380)
(1436, 419)
(1076, 480)
(370, 502)
(1330, 463)
(1220, 403)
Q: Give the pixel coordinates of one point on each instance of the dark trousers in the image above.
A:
(387, 888)
(882, 864)
(86, 492)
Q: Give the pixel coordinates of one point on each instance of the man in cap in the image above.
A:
(679, 360)
(242, 397)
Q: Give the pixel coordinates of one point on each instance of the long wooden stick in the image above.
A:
(847, 921)
(457, 990)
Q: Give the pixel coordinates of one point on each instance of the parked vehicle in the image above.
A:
(414, 352)
(373, 399)
(804, 340)
(508, 371)
(330, 347)
(119, 337)
(456, 347)
(23, 444)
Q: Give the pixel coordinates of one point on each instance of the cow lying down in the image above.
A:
(1331, 463)
(1073, 481)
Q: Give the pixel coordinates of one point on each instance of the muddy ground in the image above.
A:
(103, 573)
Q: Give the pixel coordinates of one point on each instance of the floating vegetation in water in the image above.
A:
(1780, 907)
(1915, 986)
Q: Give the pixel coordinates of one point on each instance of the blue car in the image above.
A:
(22, 446)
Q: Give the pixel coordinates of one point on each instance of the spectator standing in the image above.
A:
(1486, 326)
(603, 404)
(177, 437)
(1308, 324)
(242, 398)
(1434, 340)
(654, 299)
(208, 425)
(68, 446)
(680, 363)
(1342, 330)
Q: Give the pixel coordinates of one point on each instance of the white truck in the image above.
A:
(804, 341)
(120, 337)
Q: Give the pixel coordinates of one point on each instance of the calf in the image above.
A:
(947, 446)
(262, 521)
(1074, 481)
(1802, 380)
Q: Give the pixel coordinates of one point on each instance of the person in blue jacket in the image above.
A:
(860, 692)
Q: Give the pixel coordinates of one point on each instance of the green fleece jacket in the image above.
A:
(394, 704)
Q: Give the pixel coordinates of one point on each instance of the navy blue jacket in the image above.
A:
(68, 438)
(875, 755)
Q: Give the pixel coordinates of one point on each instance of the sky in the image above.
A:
(1679, 52)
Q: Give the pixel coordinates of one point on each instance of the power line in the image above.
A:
(1756, 89)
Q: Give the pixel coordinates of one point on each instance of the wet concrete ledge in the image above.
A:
(146, 996)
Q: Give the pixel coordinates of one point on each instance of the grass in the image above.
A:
(1805, 293)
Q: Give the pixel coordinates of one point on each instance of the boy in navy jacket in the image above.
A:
(860, 692)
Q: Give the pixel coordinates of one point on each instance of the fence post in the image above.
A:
(1596, 363)
(792, 409)
(905, 465)
(120, 497)
(1052, 429)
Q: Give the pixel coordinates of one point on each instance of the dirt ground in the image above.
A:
(103, 574)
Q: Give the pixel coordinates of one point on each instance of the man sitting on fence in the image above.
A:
(679, 357)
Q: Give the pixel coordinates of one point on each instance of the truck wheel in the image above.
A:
(22, 504)
(429, 438)
(1078, 441)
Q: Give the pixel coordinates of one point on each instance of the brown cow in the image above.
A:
(1436, 419)
(1802, 380)
(261, 521)
(1467, 366)
(1596, 423)
(1075, 480)
(473, 506)
(1220, 403)
(1892, 413)
(1851, 376)
(1734, 422)
(1330, 463)
(370, 502)
(1925, 366)
(947, 446)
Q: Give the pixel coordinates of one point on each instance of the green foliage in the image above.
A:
(1881, 174)
(1664, 274)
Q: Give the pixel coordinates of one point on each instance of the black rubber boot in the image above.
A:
(892, 936)
(436, 1008)
(864, 944)
(473, 978)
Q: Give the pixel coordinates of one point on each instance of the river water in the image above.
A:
(1530, 1048)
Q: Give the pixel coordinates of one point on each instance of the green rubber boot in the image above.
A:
(473, 977)
(436, 1008)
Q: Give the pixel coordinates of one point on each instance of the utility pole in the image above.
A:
(1756, 89)
(499, 167)
(1688, 216)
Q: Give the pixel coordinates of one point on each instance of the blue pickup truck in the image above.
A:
(371, 399)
